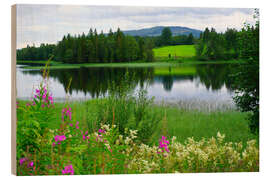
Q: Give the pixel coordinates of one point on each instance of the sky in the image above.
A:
(38, 24)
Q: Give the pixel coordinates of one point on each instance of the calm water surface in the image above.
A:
(190, 86)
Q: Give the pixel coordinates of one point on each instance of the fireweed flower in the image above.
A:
(85, 135)
(66, 113)
(22, 160)
(31, 164)
(68, 170)
(58, 139)
(37, 91)
(101, 131)
(77, 125)
(163, 144)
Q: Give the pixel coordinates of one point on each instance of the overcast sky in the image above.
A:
(49, 23)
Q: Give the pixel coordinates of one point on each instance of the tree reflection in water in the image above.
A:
(97, 81)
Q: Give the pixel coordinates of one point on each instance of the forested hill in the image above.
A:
(157, 30)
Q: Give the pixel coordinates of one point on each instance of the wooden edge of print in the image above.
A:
(13, 87)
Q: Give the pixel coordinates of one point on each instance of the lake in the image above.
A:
(189, 86)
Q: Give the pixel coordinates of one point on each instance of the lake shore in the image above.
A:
(182, 123)
(160, 63)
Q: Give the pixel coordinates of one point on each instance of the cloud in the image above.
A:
(49, 23)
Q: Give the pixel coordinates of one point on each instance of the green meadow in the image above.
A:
(175, 51)
(173, 121)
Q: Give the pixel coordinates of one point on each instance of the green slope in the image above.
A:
(178, 51)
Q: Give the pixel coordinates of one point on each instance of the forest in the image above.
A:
(103, 48)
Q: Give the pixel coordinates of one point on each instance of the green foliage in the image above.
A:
(166, 36)
(43, 52)
(123, 109)
(247, 79)
(93, 48)
(212, 45)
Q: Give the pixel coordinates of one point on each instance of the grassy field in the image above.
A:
(174, 121)
(175, 51)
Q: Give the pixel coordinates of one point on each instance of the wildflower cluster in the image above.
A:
(27, 164)
(42, 97)
(66, 114)
(75, 150)
(58, 139)
(68, 170)
(163, 144)
(212, 155)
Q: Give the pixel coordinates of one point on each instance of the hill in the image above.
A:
(157, 30)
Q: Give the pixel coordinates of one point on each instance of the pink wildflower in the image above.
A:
(63, 110)
(45, 90)
(31, 164)
(50, 98)
(22, 160)
(44, 96)
(68, 170)
(84, 135)
(60, 138)
(101, 131)
(163, 144)
(77, 125)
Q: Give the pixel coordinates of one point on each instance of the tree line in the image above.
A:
(93, 48)
(227, 45)
(166, 39)
(102, 48)
(36, 53)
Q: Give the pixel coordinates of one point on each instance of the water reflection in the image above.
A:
(198, 82)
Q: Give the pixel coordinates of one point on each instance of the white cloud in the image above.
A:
(49, 23)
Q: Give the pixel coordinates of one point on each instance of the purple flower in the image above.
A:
(163, 144)
(66, 113)
(77, 125)
(31, 164)
(60, 138)
(68, 170)
(50, 98)
(22, 160)
(84, 135)
(101, 131)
